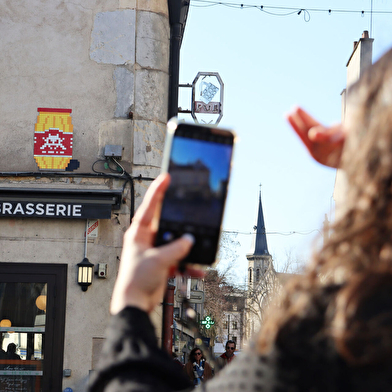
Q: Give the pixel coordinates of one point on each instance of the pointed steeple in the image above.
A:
(259, 241)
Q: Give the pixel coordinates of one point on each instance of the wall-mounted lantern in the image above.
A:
(85, 273)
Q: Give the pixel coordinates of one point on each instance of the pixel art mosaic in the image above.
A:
(53, 139)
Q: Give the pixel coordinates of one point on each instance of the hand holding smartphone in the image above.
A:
(198, 159)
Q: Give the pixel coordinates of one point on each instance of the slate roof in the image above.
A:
(259, 241)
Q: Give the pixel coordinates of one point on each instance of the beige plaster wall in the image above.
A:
(65, 55)
(108, 62)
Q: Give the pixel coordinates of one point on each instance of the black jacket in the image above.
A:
(303, 359)
(132, 361)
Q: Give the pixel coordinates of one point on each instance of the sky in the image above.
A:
(269, 64)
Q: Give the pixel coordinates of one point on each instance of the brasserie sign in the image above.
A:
(42, 209)
(71, 204)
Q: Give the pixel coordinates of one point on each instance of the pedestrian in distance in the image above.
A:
(333, 329)
(227, 356)
(197, 368)
(11, 351)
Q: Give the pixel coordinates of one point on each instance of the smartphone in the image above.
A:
(198, 159)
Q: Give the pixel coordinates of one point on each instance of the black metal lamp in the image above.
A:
(85, 273)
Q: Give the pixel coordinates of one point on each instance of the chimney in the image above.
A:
(365, 34)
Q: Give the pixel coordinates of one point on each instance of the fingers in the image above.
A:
(301, 121)
(321, 134)
(171, 254)
(298, 124)
(324, 144)
(306, 118)
(194, 273)
(189, 272)
(152, 199)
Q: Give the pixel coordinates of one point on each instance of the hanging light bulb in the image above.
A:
(5, 323)
(40, 302)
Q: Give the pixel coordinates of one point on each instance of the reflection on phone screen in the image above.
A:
(199, 171)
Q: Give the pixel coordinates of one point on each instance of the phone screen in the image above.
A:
(199, 171)
(199, 166)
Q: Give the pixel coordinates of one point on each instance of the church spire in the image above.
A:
(259, 241)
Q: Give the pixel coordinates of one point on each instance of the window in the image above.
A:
(235, 325)
(194, 283)
(33, 331)
(234, 339)
(250, 275)
(225, 325)
(257, 274)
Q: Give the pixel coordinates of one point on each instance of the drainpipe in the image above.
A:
(175, 43)
(178, 11)
(167, 318)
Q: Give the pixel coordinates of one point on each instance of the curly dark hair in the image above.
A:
(339, 314)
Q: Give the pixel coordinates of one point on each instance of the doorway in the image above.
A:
(32, 321)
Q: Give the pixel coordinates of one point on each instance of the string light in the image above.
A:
(292, 10)
(272, 232)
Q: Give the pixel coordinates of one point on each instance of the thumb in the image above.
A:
(322, 134)
(172, 253)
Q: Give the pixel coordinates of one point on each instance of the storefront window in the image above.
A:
(22, 329)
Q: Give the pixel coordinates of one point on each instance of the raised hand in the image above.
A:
(325, 144)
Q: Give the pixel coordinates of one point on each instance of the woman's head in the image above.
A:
(196, 355)
(342, 283)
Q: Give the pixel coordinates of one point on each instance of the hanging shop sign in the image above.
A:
(207, 98)
(56, 203)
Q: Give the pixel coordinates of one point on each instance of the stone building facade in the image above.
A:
(83, 106)
(234, 318)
